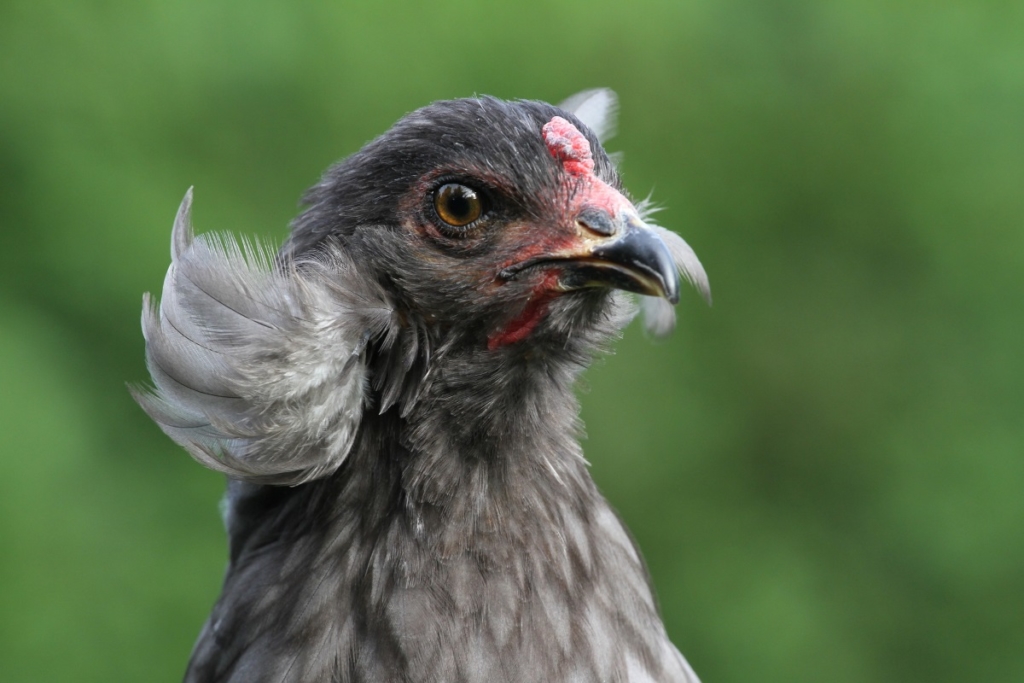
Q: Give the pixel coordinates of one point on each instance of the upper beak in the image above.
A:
(621, 252)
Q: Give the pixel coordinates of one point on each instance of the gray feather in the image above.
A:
(689, 265)
(598, 109)
(258, 368)
(659, 315)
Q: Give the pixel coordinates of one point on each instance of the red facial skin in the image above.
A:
(522, 325)
(583, 189)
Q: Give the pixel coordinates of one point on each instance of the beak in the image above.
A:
(621, 252)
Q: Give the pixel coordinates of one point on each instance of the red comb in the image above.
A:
(567, 144)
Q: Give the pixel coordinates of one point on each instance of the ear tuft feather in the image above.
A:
(259, 367)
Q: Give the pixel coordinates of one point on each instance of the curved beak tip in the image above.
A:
(645, 259)
(673, 295)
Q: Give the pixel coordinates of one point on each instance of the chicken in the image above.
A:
(391, 398)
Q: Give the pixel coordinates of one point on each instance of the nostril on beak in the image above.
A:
(596, 222)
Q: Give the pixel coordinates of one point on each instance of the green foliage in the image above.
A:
(825, 470)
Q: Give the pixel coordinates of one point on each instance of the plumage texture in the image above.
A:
(258, 369)
(407, 497)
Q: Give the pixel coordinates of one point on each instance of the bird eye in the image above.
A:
(457, 205)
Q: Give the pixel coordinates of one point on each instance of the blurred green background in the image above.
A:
(824, 470)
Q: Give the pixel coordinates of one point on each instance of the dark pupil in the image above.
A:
(458, 204)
